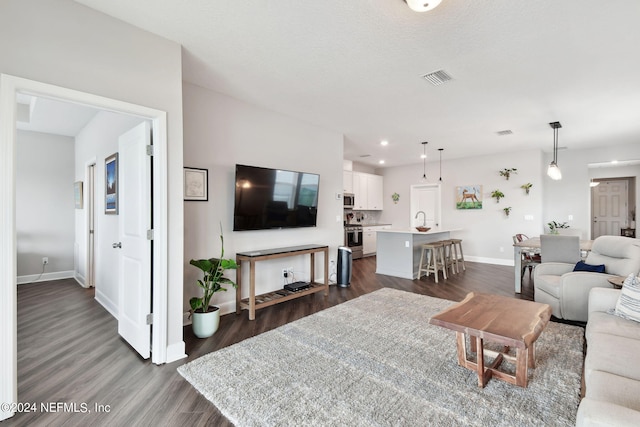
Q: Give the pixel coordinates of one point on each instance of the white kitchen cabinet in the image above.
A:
(367, 189)
(347, 181)
(360, 191)
(374, 192)
(370, 239)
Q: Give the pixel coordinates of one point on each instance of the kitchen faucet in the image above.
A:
(424, 217)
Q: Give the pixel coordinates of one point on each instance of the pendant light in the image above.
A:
(422, 5)
(424, 162)
(440, 150)
(554, 171)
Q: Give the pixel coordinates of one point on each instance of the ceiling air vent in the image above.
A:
(362, 156)
(505, 132)
(437, 77)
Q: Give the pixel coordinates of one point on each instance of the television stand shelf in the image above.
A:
(255, 302)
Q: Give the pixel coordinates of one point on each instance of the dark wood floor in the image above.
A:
(69, 349)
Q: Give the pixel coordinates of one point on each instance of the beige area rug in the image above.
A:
(376, 361)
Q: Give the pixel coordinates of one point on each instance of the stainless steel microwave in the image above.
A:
(349, 200)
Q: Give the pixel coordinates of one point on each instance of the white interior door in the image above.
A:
(609, 207)
(134, 283)
(425, 198)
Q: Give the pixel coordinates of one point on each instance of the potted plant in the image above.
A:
(507, 210)
(527, 187)
(395, 197)
(206, 318)
(498, 195)
(507, 172)
(554, 226)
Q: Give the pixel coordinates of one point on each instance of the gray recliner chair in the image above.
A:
(567, 291)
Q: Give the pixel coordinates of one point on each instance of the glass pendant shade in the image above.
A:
(554, 171)
(422, 5)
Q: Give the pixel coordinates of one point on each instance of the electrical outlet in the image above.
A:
(285, 273)
(45, 260)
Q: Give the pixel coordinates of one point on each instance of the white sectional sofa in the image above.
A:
(612, 365)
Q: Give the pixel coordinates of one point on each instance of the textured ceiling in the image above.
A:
(355, 67)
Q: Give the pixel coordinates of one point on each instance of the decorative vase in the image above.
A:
(206, 324)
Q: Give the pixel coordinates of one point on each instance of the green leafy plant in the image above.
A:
(507, 211)
(497, 194)
(526, 187)
(395, 197)
(554, 226)
(507, 172)
(213, 278)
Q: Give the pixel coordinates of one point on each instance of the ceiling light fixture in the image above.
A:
(424, 161)
(384, 142)
(554, 171)
(440, 150)
(422, 5)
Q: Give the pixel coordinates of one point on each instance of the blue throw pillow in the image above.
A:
(583, 266)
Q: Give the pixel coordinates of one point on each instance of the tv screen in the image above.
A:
(274, 198)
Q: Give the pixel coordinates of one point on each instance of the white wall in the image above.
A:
(219, 133)
(44, 205)
(571, 195)
(486, 233)
(97, 141)
(66, 44)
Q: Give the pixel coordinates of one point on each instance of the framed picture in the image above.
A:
(77, 194)
(196, 184)
(469, 197)
(111, 185)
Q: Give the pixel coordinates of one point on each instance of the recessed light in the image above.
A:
(381, 162)
(613, 162)
(384, 142)
(423, 156)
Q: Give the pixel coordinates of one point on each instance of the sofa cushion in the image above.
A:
(583, 266)
(614, 389)
(614, 354)
(621, 255)
(605, 323)
(628, 305)
(597, 413)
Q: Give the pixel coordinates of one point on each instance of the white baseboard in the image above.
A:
(108, 305)
(45, 277)
(484, 260)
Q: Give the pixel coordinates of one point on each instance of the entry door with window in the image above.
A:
(134, 246)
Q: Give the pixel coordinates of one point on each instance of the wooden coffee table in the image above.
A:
(507, 321)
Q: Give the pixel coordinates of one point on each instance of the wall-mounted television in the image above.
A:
(274, 198)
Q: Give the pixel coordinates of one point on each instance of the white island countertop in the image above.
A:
(414, 231)
(398, 250)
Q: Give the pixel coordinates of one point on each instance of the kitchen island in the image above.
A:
(398, 251)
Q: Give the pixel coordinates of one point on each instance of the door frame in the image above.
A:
(413, 194)
(10, 86)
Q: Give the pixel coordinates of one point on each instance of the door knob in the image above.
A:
(117, 245)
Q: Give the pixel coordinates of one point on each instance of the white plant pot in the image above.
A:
(206, 324)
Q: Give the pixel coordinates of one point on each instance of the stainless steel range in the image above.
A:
(353, 239)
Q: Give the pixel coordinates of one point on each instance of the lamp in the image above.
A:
(440, 150)
(554, 171)
(424, 161)
(422, 5)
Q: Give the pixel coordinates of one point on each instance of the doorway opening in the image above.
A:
(613, 207)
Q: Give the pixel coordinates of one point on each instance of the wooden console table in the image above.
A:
(255, 302)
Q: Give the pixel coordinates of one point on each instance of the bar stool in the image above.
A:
(457, 245)
(433, 254)
(451, 256)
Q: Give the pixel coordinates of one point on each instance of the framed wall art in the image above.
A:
(77, 194)
(196, 184)
(469, 197)
(111, 185)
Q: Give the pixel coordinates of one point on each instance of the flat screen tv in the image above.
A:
(274, 198)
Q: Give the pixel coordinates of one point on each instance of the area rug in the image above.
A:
(376, 361)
